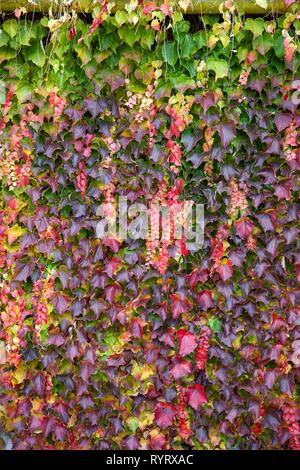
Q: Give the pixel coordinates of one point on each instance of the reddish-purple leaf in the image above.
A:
(39, 384)
(267, 219)
(60, 302)
(158, 442)
(136, 327)
(181, 369)
(179, 305)
(97, 306)
(207, 100)
(205, 300)
(112, 243)
(225, 269)
(227, 132)
(283, 190)
(168, 337)
(112, 266)
(244, 227)
(164, 414)
(282, 120)
(187, 342)
(198, 275)
(196, 396)
(112, 291)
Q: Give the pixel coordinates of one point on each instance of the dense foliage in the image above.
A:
(127, 344)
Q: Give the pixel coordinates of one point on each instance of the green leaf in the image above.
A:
(256, 26)
(110, 41)
(215, 324)
(148, 38)
(188, 46)
(6, 54)
(84, 53)
(10, 27)
(201, 39)
(242, 53)
(219, 66)
(183, 83)
(181, 27)
(38, 31)
(133, 423)
(3, 38)
(121, 17)
(191, 67)
(24, 93)
(129, 36)
(170, 53)
(36, 53)
(263, 43)
(279, 45)
(24, 36)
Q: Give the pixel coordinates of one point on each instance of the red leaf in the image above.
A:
(149, 8)
(112, 243)
(225, 269)
(179, 185)
(205, 300)
(179, 305)
(244, 227)
(196, 396)
(187, 342)
(198, 275)
(112, 266)
(168, 337)
(297, 267)
(136, 327)
(158, 442)
(164, 414)
(181, 369)
(165, 8)
(162, 311)
(112, 291)
(283, 191)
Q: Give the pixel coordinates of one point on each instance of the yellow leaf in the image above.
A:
(14, 232)
(36, 404)
(142, 372)
(224, 39)
(146, 419)
(101, 56)
(20, 374)
(28, 152)
(212, 41)
(236, 343)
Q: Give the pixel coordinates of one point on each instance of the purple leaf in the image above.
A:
(227, 132)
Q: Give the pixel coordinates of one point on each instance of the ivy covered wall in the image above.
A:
(144, 344)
